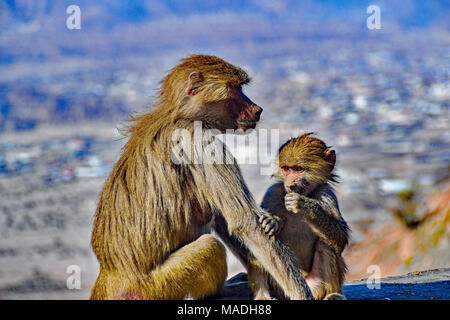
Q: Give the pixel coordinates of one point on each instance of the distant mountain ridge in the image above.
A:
(36, 30)
(406, 13)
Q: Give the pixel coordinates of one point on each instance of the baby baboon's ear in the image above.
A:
(194, 80)
(330, 156)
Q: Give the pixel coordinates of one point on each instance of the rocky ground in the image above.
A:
(426, 285)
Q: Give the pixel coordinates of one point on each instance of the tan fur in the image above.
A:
(310, 152)
(197, 269)
(316, 232)
(152, 215)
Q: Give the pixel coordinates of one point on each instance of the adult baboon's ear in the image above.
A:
(330, 156)
(194, 80)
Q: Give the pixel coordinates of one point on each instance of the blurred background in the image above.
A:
(380, 97)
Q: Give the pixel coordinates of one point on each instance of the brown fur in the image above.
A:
(309, 152)
(314, 228)
(151, 224)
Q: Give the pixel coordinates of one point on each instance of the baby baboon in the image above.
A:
(305, 205)
(153, 218)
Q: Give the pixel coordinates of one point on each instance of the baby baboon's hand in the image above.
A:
(270, 224)
(291, 201)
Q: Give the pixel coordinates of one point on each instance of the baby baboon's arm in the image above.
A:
(323, 215)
